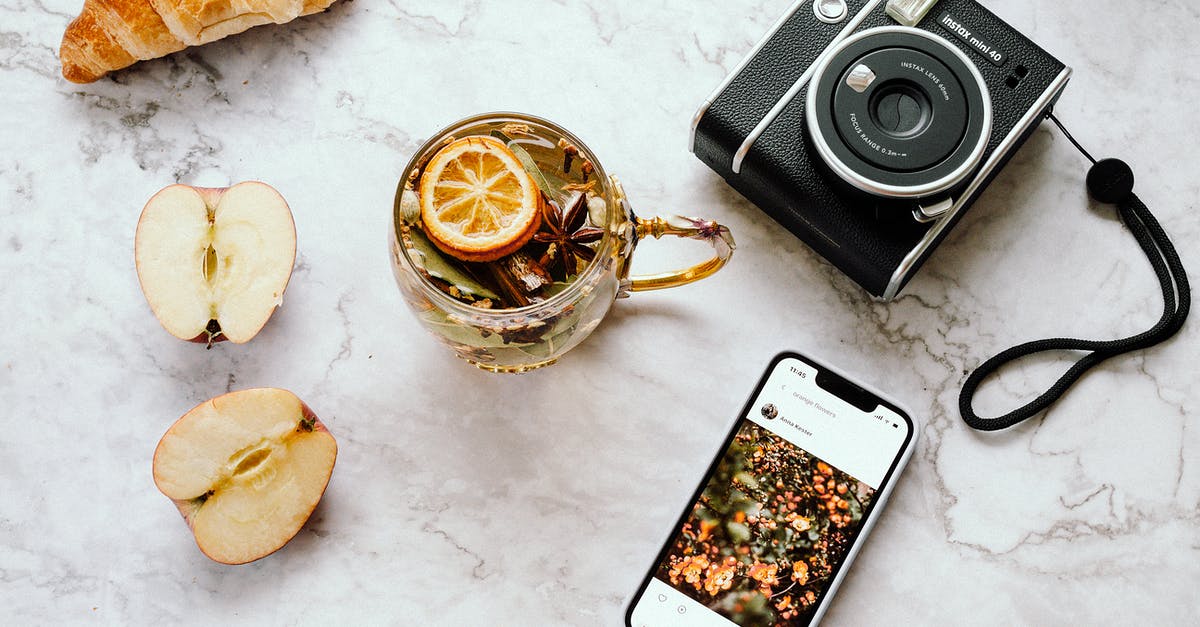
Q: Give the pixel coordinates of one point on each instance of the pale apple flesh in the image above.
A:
(246, 470)
(214, 263)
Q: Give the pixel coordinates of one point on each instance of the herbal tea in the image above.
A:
(504, 218)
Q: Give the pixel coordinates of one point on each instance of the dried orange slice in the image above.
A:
(477, 202)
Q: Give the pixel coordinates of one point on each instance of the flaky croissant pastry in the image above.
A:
(111, 34)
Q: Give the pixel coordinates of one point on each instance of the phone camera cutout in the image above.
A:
(770, 411)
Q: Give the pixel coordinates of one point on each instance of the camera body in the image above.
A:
(868, 131)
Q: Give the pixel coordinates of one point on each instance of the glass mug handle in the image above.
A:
(691, 228)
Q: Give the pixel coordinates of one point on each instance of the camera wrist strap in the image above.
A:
(1109, 181)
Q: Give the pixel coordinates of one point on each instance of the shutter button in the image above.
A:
(830, 11)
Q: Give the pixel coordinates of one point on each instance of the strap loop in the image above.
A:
(1110, 181)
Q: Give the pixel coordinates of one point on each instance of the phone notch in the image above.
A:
(842, 388)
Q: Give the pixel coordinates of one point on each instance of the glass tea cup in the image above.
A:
(576, 262)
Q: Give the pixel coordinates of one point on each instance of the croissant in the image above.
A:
(112, 34)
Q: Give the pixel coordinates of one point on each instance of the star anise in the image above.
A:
(567, 236)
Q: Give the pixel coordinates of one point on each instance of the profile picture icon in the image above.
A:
(770, 411)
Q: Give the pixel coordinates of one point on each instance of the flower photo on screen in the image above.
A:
(760, 544)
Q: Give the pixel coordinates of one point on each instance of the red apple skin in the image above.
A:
(188, 508)
(311, 416)
(212, 196)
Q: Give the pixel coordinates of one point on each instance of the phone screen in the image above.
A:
(771, 525)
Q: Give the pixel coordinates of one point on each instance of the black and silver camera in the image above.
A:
(868, 127)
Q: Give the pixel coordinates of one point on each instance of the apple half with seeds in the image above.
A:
(246, 469)
(213, 263)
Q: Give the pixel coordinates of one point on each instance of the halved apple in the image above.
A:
(246, 470)
(214, 263)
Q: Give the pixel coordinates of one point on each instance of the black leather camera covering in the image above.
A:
(866, 238)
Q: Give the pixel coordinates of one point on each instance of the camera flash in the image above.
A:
(909, 12)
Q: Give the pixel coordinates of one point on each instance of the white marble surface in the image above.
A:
(464, 498)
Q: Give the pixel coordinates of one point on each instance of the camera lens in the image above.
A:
(910, 117)
(899, 112)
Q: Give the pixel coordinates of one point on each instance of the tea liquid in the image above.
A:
(572, 216)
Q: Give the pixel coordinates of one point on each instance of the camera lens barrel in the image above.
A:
(898, 112)
(905, 121)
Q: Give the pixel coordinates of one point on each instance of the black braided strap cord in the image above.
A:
(1177, 302)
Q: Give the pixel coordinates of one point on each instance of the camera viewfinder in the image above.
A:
(909, 12)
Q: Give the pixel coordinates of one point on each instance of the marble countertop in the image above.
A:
(465, 498)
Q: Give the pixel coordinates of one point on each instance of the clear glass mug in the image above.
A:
(524, 338)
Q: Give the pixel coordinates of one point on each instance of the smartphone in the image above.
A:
(785, 506)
